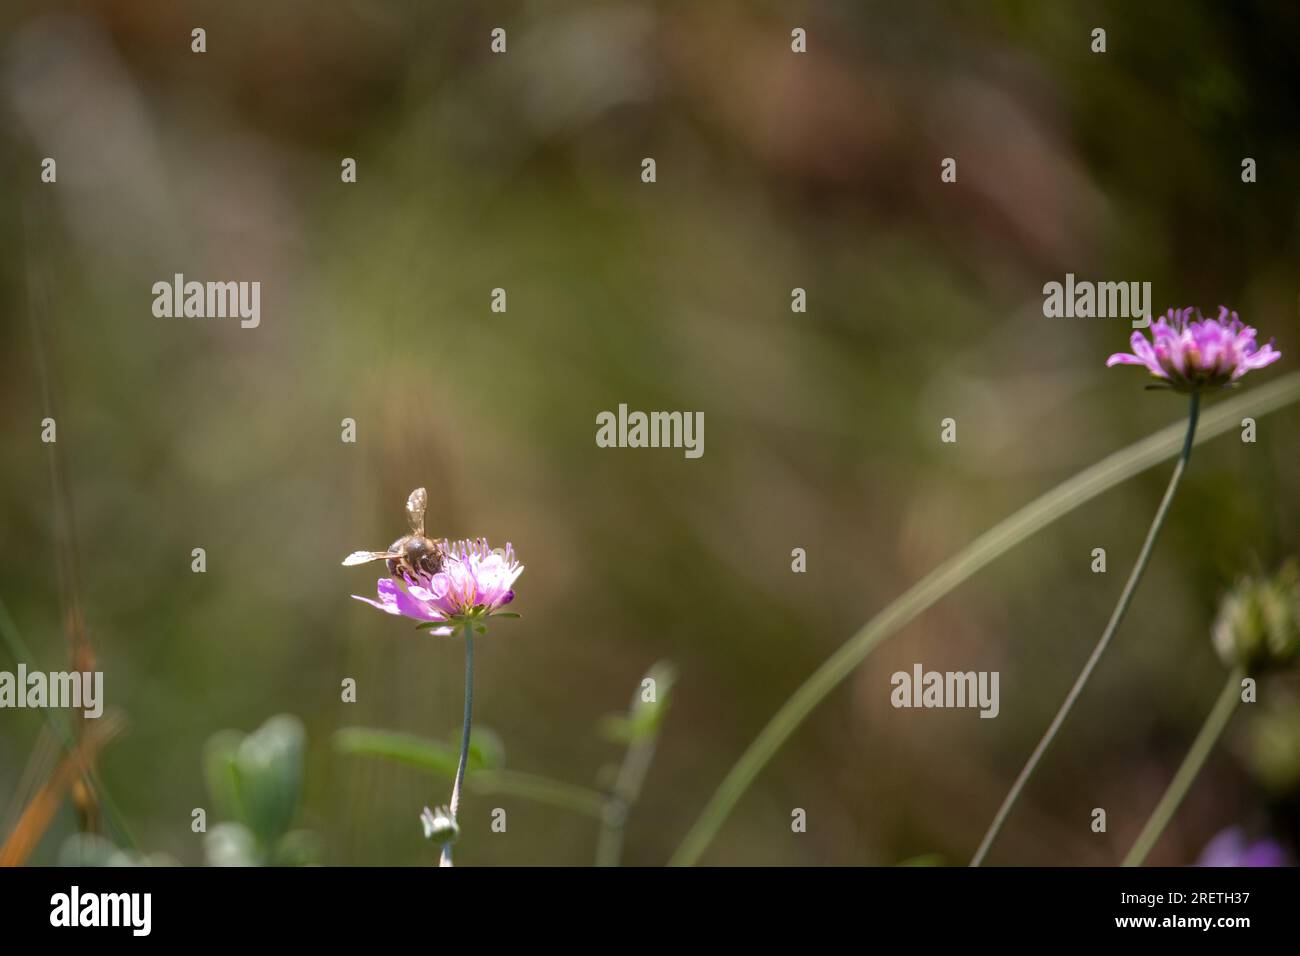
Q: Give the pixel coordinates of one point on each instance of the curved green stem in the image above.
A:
(1125, 598)
(1018, 527)
(464, 738)
(1209, 735)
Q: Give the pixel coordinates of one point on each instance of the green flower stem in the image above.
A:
(1016, 528)
(1209, 735)
(1117, 616)
(464, 737)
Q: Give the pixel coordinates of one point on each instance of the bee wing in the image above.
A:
(363, 557)
(415, 505)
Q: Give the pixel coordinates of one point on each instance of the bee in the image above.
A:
(412, 555)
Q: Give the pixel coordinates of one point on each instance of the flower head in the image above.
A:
(439, 826)
(1258, 624)
(475, 582)
(1205, 353)
(1232, 848)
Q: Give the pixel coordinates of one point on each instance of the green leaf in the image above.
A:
(398, 747)
(441, 759)
(268, 770)
(256, 778)
(486, 749)
(220, 775)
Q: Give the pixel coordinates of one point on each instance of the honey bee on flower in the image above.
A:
(449, 587)
(441, 583)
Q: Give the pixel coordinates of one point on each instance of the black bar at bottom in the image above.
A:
(332, 906)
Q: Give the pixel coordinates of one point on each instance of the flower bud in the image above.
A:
(1258, 625)
(439, 825)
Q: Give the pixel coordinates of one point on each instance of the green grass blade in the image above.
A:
(433, 757)
(555, 793)
(398, 747)
(994, 543)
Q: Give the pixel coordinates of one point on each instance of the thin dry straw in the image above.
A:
(13, 641)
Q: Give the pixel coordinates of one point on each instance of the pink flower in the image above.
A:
(1191, 355)
(475, 583)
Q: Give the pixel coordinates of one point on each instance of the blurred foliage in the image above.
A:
(90, 849)
(1272, 745)
(1258, 625)
(619, 785)
(256, 779)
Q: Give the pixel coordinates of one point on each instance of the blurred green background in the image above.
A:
(522, 171)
